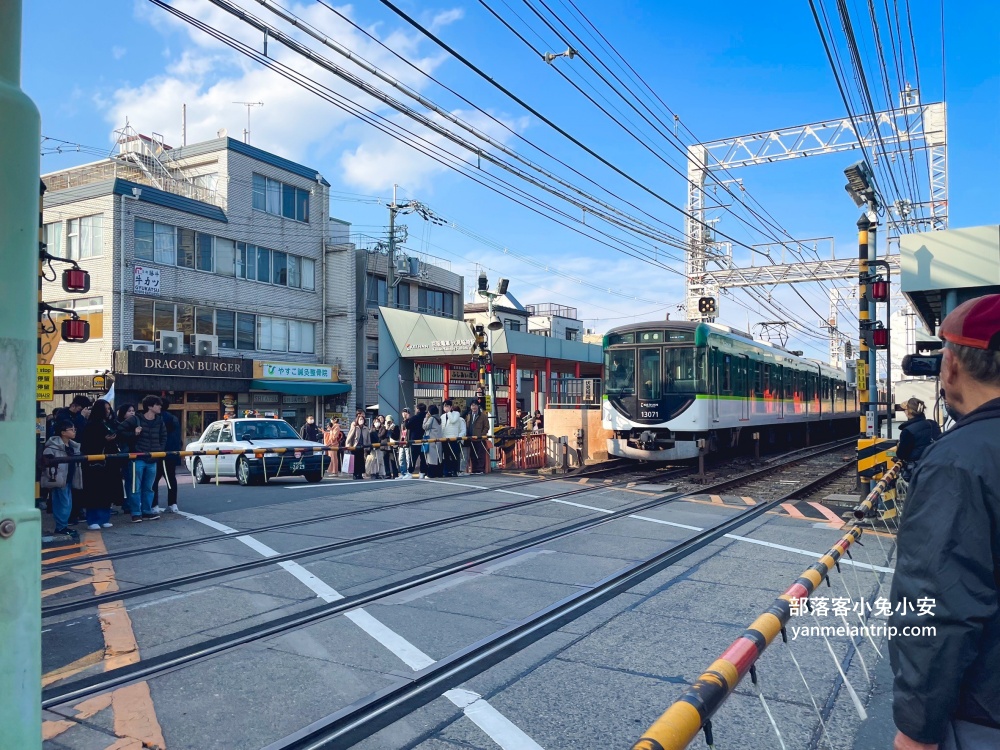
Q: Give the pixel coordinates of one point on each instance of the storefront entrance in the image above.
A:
(196, 412)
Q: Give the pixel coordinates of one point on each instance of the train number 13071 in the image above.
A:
(648, 414)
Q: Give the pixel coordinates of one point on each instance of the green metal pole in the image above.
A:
(20, 524)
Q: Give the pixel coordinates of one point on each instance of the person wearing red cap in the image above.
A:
(946, 691)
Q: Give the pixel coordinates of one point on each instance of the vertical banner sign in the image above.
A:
(45, 381)
(147, 281)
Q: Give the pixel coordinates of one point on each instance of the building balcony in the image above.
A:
(548, 309)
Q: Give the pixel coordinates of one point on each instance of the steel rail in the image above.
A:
(78, 604)
(375, 712)
(87, 687)
(136, 551)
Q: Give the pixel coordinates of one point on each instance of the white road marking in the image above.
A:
(499, 728)
(321, 485)
(519, 494)
(494, 724)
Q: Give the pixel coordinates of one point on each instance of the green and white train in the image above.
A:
(669, 385)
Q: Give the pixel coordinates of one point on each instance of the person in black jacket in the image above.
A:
(311, 430)
(946, 692)
(167, 467)
(415, 431)
(915, 436)
(150, 437)
(102, 480)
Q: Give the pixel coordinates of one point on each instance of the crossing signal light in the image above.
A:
(473, 366)
(75, 330)
(880, 338)
(76, 281)
(880, 291)
(707, 305)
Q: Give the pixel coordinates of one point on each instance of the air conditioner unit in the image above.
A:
(205, 345)
(170, 342)
(139, 347)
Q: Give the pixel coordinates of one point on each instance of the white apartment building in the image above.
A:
(217, 280)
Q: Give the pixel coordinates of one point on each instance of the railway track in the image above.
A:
(87, 687)
(359, 721)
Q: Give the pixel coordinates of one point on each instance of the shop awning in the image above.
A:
(300, 387)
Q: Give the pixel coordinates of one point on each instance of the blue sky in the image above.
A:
(726, 70)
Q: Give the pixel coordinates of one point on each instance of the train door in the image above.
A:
(745, 384)
(716, 373)
(778, 388)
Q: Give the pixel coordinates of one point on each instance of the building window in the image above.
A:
(279, 268)
(225, 328)
(572, 334)
(280, 199)
(433, 302)
(52, 236)
(512, 325)
(142, 320)
(308, 274)
(90, 309)
(246, 329)
(376, 291)
(371, 358)
(185, 247)
(281, 335)
(205, 258)
(225, 257)
(403, 296)
(204, 321)
(294, 276)
(85, 238)
(164, 244)
(263, 264)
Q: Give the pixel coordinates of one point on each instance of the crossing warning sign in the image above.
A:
(45, 383)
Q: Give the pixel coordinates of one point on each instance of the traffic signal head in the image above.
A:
(707, 305)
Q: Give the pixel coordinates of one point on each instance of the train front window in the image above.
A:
(683, 370)
(649, 374)
(619, 373)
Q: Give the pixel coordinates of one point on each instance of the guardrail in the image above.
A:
(682, 721)
(526, 451)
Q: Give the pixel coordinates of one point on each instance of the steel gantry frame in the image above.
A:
(910, 127)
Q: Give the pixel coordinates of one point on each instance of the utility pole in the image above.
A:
(20, 523)
(390, 291)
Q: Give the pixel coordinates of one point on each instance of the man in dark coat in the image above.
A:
(415, 431)
(168, 466)
(947, 685)
(311, 430)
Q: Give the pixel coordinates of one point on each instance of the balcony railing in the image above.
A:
(548, 308)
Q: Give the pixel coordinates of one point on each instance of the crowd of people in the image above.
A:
(385, 449)
(89, 492)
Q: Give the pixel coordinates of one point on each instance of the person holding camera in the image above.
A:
(946, 686)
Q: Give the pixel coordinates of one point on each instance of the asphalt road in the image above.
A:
(597, 682)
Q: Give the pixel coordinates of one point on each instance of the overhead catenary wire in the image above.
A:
(665, 133)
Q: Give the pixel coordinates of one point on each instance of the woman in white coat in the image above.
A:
(452, 426)
(432, 451)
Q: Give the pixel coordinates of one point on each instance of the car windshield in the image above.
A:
(265, 429)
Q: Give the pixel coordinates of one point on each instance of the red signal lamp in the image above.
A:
(76, 281)
(75, 331)
(880, 338)
(489, 367)
(473, 366)
(880, 291)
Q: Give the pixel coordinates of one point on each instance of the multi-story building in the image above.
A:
(556, 321)
(216, 280)
(423, 284)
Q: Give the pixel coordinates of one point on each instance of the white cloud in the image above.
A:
(118, 52)
(446, 18)
(208, 77)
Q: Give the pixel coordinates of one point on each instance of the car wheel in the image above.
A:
(313, 476)
(199, 472)
(243, 472)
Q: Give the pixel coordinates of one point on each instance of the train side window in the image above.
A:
(619, 368)
(649, 374)
(758, 370)
(727, 373)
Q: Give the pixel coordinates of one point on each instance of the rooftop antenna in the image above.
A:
(246, 130)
